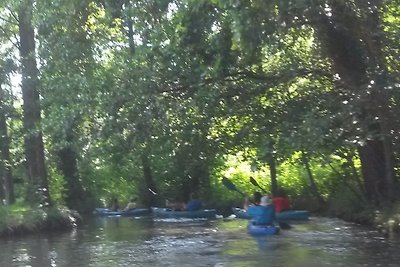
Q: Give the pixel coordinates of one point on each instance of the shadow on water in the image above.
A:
(147, 241)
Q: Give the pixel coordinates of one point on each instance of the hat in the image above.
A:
(265, 201)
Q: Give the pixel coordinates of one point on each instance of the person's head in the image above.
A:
(193, 195)
(280, 192)
(257, 197)
(265, 201)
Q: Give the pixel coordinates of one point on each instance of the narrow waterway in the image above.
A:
(146, 241)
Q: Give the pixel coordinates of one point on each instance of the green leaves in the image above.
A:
(187, 82)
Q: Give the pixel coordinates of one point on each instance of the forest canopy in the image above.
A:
(161, 98)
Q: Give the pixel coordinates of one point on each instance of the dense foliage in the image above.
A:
(159, 98)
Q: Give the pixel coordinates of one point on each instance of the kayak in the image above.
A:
(169, 213)
(288, 215)
(254, 229)
(241, 213)
(130, 212)
(293, 215)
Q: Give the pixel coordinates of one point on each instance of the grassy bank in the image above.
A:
(21, 219)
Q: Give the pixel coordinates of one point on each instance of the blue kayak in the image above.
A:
(262, 229)
(288, 215)
(130, 212)
(169, 213)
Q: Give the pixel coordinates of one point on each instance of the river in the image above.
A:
(155, 242)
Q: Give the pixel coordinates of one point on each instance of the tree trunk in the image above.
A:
(2, 184)
(198, 180)
(38, 191)
(3, 134)
(6, 178)
(313, 185)
(75, 194)
(345, 177)
(273, 173)
(379, 99)
(354, 172)
(149, 190)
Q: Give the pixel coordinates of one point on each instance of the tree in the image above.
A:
(34, 148)
(352, 36)
(6, 178)
(66, 76)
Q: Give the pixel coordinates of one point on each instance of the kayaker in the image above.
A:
(175, 205)
(114, 204)
(131, 204)
(281, 201)
(262, 213)
(194, 203)
(255, 201)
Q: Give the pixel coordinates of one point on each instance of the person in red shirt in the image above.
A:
(281, 201)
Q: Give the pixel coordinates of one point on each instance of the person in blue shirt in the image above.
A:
(193, 204)
(255, 200)
(263, 212)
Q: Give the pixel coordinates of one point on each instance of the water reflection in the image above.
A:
(170, 242)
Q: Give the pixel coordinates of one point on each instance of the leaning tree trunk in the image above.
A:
(353, 172)
(313, 185)
(356, 53)
(38, 192)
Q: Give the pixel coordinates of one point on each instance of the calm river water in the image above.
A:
(113, 242)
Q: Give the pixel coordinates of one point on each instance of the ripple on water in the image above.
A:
(125, 242)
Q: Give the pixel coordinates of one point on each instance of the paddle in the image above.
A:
(231, 186)
(151, 191)
(254, 182)
(283, 225)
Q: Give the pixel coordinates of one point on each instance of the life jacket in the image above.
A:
(262, 215)
(281, 203)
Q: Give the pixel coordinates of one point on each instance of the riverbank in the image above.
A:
(388, 220)
(385, 219)
(22, 220)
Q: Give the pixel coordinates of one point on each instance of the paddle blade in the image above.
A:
(228, 184)
(253, 181)
(231, 186)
